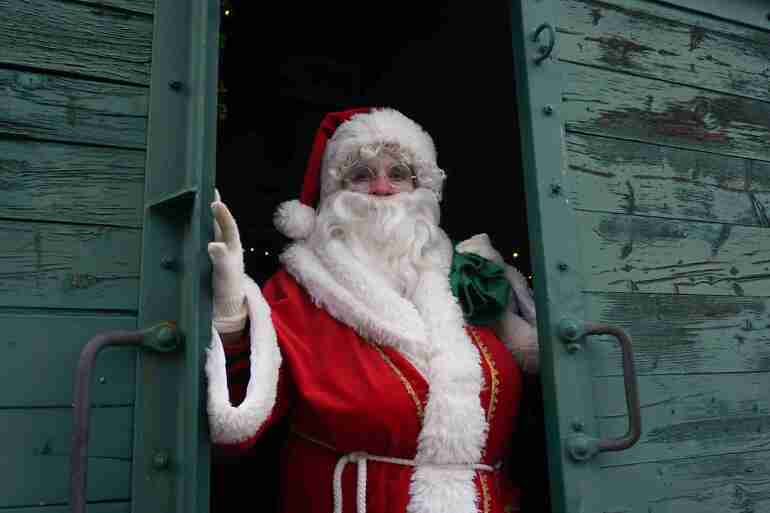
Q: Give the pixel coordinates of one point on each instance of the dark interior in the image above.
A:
(449, 67)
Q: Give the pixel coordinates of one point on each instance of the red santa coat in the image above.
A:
(355, 378)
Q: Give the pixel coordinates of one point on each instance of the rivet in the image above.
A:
(555, 189)
(160, 460)
(168, 262)
(548, 110)
(175, 85)
(562, 266)
(573, 348)
(577, 425)
(102, 380)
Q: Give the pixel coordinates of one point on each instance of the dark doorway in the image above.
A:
(448, 66)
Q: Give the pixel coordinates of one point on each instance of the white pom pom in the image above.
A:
(294, 219)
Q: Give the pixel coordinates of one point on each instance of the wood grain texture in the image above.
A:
(682, 333)
(687, 416)
(662, 42)
(60, 182)
(602, 102)
(142, 6)
(88, 40)
(729, 483)
(72, 110)
(39, 355)
(36, 455)
(625, 253)
(66, 266)
(612, 175)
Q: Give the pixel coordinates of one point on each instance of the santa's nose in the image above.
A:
(380, 186)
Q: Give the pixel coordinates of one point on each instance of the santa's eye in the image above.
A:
(359, 175)
(400, 174)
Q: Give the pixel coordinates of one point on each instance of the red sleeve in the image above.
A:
(238, 365)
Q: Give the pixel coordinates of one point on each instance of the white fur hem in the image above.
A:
(232, 424)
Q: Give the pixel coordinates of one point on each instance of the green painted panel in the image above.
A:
(100, 507)
(62, 182)
(684, 333)
(624, 253)
(687, 416)
(598, 101)
(36, 455)
(68, 266)
(672, 44)
(72, 110)
(729, 483)
(76, 38)
(39, 354)
(612, 175)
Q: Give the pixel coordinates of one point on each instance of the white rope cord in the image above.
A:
(361, 458)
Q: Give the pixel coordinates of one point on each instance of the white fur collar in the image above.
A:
(430, 332)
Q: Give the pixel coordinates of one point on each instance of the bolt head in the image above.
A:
(548, 110)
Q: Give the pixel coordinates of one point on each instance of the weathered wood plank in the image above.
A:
(602, 102)
(682, 333)
(36, 455)
(71, 110)
(730, 483)
(613, 175)
(65, 266)
(622, 253)
(142, 6)
(39, 354)
(687, 416)
(666, 43)
(75, 38)
(99, 507)
(61, 182)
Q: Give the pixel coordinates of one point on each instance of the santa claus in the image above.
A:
(396, 356)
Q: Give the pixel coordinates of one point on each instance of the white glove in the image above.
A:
(226, 253)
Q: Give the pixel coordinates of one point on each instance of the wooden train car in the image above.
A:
(637, 133)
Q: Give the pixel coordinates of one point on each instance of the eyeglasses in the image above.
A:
(360, 176)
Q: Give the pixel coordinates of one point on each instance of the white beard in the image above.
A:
(396, 237)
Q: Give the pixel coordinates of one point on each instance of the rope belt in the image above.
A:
(360, 458)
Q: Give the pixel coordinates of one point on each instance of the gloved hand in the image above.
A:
(226, 253)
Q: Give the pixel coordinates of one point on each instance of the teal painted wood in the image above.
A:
(143, 6)
(68, 266)
(72, 110)
(688, 416)
(602, 102)
(104, 507)
(67, 183)
(626, 253)
(36, 453)
(749, 12)
(76, 38)
(659, 41)
(565, 377)
(38, 355)
(179, 190)
(629, 177)
(730, 483)
(684, 333)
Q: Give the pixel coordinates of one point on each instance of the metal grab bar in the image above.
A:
(163, 337)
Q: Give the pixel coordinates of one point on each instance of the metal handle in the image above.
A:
(162, 338)
(580, 446)
(545, 50)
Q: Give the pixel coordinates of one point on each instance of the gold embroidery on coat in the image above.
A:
(486, 499)
(402, 378)
(494, 375)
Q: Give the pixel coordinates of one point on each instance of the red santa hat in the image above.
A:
(340, 135)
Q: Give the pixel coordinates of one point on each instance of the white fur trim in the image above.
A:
(381, 126)
(232, 424)
(294, 219)
(430, 332)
